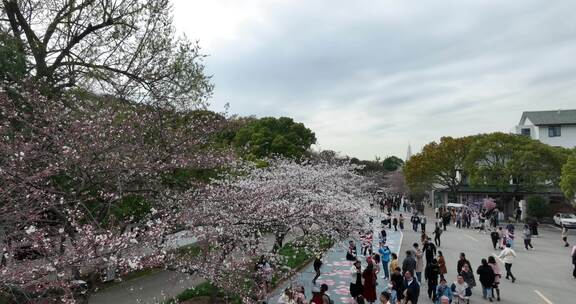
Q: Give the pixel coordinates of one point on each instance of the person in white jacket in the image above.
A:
(507, 255)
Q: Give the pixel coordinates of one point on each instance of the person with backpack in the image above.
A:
(486, 277)
(395, 223)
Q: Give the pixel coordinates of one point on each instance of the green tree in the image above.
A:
(513, 163)
(568, 178)
(392, 163)
(438, 164)
(537, 207)
(12, 60)
(274, 136)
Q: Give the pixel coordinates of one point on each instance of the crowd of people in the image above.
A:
(424, 265)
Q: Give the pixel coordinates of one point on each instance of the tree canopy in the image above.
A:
(438, 164)
(568, 179)
(392, 163)
(274, 136)
(505, 160)
(127, 48)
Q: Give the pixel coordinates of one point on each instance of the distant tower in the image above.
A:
(409, 153)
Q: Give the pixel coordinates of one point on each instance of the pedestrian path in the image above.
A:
(336, 270)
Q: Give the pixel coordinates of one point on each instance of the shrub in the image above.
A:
(537, 207)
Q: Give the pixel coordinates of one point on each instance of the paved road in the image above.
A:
(336, 270)
(544, 275)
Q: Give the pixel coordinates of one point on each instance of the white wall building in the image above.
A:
(555, 128)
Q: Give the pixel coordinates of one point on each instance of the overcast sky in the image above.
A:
(370, 77)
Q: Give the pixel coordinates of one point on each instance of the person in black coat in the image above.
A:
(409, 263)
(486, 277)
(398, 280)
(431, 273)
(429, 250)
(412, 288)
(461, 262)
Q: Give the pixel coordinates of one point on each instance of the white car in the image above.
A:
(566, 219)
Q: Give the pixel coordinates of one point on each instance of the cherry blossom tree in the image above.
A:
(84, 185)
(310, 200)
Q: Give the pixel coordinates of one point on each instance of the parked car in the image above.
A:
(566, 219)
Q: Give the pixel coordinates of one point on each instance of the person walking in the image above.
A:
(429, 250)
(393, 262)
(401, 221)
(443, 290)
(369, 286)
(351, 253)
(356, 280)
(494, 236)
(507, 255)
(497, 276)
(317, 266)
(412, 288)
(461, 262)
(437, 233)
(486, 277)
(409, 263)
(573, 254)
(423, 223)
(385, 254)
(397, 281)
(415, 220)
(565, 235)
(419, 262)
(446, 219)
(395, 223)
(468, 276)
(442, 264)
(460, 289)
(431, 274)
(518, 214)
(527, 234)
(320, 296)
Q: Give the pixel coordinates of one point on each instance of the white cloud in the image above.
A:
(371, 76)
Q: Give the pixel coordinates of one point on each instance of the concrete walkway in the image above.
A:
(336, 270)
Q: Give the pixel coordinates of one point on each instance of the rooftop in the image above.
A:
(558, 117)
